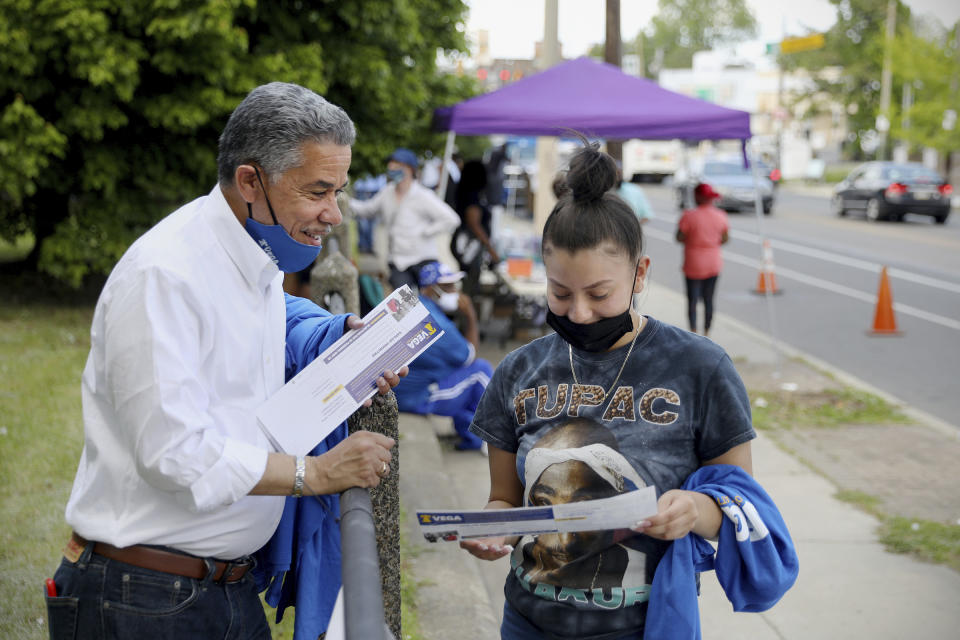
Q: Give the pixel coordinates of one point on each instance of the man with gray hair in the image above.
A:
(177, 486)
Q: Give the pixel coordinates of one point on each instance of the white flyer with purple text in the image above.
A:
(619, 512)
(327, 391)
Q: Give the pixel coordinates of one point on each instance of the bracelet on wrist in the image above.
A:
(298, 477)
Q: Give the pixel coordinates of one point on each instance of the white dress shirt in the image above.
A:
(412, 221)
(187, 340)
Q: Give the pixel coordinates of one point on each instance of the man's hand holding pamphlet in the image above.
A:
(306, 409)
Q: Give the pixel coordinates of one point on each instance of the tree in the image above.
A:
(855, 42)
(682, 27)
(110, 109)
(929, 63)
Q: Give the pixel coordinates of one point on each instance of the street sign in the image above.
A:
(806, 43)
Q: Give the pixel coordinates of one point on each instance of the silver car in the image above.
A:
(734, 183)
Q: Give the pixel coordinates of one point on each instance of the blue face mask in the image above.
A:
(395, 175)
(289, 255)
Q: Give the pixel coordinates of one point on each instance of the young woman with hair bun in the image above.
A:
(612, 401)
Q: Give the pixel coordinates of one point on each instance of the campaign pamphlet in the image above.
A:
(619, 512)
(305, 410)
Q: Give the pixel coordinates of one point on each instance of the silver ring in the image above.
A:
(383, 468)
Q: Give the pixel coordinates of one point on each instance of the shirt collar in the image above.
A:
(254, 264)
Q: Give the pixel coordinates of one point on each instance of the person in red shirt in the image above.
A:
(702, 230)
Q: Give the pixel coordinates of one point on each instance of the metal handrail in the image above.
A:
(362, 593)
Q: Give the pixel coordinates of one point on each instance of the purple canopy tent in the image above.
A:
(594, 98)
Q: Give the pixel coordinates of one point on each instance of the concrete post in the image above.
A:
(382, 417)
(333, 282)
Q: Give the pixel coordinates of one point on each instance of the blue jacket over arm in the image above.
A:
(300, 565)
(755, 560)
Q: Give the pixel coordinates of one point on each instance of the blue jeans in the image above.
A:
(103, 599)
(516, 627)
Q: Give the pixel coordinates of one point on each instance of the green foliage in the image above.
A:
(932, 65)
(110, 110)
(682, 27)
(855, 46)
(16, 250)
(26, 149)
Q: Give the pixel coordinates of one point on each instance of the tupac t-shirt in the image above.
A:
(678, 402)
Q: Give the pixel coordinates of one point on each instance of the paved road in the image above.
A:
(828, 269)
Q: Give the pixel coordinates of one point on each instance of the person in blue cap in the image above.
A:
(447, 379)
(414, 217)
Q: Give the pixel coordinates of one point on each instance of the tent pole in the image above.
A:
(447, 156)
(758, 208)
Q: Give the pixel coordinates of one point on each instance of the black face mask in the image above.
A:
(597, 336)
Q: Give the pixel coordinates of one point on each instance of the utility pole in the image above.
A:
(613, 54)
(954, 77)
(886, 79)
(543, 199)
(779, 115)
(643, 62)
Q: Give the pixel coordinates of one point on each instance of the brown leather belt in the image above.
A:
(168, 561)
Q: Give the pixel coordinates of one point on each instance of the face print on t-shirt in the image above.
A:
(578, 460)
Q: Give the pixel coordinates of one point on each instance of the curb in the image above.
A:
(920, 416)
(451, 593)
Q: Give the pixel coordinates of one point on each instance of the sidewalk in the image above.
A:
(849, 586)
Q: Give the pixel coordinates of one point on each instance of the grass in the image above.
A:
(409, 621)
(42, 352)
(832, 408)
(935, 542)
(931, 541)
(43, 348)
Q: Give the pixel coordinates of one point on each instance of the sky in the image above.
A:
(514, 25)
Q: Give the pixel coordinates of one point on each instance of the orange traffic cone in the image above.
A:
(884, 322)
(767, 279)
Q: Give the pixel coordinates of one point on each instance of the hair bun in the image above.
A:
(592, 173)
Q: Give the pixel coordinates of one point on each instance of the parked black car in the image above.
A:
(733, 182)
(888, 190)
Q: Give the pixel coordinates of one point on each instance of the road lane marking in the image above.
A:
(847, 291)
(820, 283)
(856, 263)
